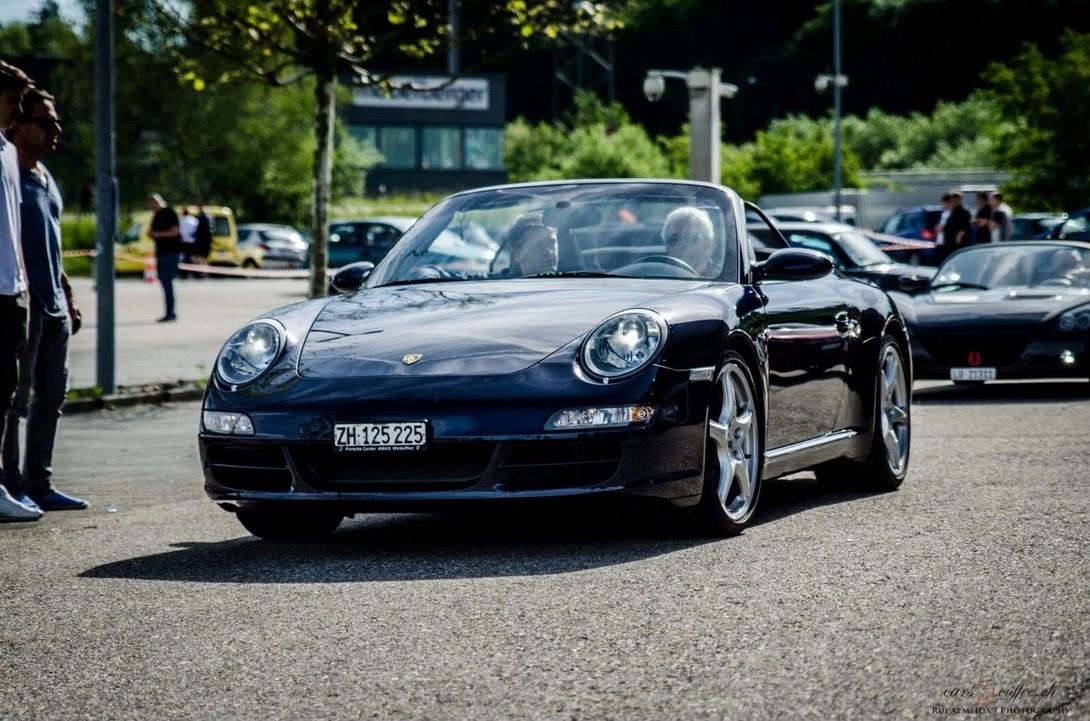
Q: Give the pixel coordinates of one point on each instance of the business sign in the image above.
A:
(426, 92)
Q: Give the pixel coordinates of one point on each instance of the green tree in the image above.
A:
(595, 141)
(283, 41)
(954, 135)
(795, 154)
(1046, 147)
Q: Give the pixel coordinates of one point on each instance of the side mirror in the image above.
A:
(793, 264)
(351, 277)
(913, 284)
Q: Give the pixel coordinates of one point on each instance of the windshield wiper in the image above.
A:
(572, 274)
(415, 281)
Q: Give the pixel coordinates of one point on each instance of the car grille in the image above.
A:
(954, 349)
(249, 468)
(443, 466)
(520, 466)
(557, 464)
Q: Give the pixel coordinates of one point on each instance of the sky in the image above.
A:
(21, 10)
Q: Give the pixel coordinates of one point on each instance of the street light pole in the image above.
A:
(705, 91)
(106, 200)
(838, 178)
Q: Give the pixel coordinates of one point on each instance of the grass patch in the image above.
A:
(75, 394)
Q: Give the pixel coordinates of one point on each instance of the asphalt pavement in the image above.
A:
(964, 594)
(150, 353)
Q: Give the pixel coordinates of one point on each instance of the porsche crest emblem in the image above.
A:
(411, 358)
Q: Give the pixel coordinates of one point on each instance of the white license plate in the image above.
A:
(407, 436)
(972, 374)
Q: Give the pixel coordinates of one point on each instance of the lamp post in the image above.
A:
(705, 91)
(837, 81)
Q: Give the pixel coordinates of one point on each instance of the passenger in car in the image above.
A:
(688, 234)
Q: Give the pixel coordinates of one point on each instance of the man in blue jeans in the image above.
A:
(167, 235)
(43, 366)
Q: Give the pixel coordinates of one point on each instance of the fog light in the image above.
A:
(1067, 358)
(230, 424)
(610, 417)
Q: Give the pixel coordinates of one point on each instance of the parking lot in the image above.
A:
(964, 593)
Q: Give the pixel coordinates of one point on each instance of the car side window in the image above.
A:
(814, 242)
(381, 236)
(343, 234)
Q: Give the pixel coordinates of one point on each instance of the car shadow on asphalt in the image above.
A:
(445, 546)
(1004, 392)
(404, 547)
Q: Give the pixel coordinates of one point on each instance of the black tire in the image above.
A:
(891, 431)
(734, 434)
(288, 525)
(249, 264)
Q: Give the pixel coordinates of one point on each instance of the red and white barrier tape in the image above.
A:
(225, 270)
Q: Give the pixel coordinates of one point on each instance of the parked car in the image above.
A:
(366, 239)
(915, 225)
(1004, 310)
(617, 363)
(1076, 226)
(135, 244)
(813, 214)
(853, 253)
(1034, 225)
(264, 245)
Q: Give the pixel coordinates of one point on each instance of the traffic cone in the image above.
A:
(150, 276)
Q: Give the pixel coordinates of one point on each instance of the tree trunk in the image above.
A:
(324, 105)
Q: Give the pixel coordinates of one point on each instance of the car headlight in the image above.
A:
(250, 352)
(1078, 319)
(623, 344)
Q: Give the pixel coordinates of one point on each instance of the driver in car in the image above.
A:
(1066, 266)
(533, 246)
(688, 234)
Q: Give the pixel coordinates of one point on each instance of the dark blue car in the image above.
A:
(617, 339)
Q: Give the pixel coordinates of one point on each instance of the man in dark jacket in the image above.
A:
(168, 249)
(955, 233)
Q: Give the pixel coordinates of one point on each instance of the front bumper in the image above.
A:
(480, 450)
(1013, 355)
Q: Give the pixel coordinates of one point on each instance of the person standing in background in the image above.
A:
(1001, 226)
(1008, 225)
(168, 249)
(956, 230)
(13, 285)
(187, 226)
(202, 240)
(982, 229)
(54, 316)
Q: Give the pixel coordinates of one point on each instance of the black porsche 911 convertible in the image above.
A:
(613, 339)
(1003, 311)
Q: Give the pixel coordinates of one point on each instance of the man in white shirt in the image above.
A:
(187, 226)
(13, 280)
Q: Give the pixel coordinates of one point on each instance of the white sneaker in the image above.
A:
(12, 510)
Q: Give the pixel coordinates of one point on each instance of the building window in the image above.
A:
(441, 149)
(398, 145)
(484, 148)
(364, 134)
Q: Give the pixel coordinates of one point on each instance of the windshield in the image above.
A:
(862, 249)
(996, 266)
(635, 230)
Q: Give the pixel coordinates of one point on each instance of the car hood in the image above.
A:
(465, 328)
(1009, 307)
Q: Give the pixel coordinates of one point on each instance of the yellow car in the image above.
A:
(135, 244)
